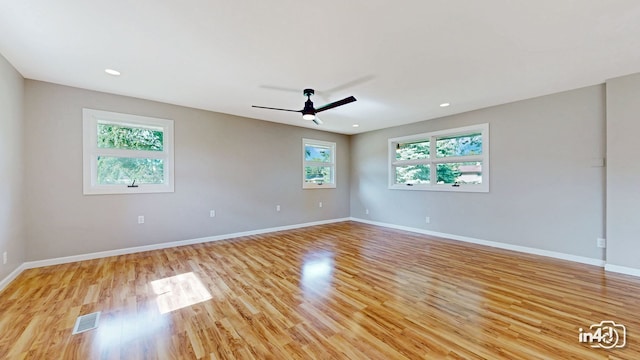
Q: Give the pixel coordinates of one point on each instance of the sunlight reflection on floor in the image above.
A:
(121, 329)
(180, 291)
(317, 274)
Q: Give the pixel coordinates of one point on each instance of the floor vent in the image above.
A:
(86, 323)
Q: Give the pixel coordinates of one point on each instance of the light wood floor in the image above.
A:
(339, 291)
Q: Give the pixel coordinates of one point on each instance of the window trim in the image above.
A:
(90, 120)
(433, 161)
(332, 164)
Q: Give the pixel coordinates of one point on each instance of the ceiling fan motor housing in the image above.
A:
(308, 111)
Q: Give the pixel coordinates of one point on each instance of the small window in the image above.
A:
(126, 154)
(461, 161)
(319, 164)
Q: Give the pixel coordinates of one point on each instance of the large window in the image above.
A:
(126, 153)
(319, 164)
(448, 160)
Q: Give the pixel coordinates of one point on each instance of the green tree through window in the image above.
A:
(318, 164)
(454, 157)
(124, 170)
(449, 173)
(121, 137)
(119, 149)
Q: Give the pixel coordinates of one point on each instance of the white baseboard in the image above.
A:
(622, 270)
(522, 249)
(102, 254)
(12, 276)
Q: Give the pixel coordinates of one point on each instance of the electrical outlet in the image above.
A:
(4, 258)
(428, 220)
(601, 243)
(277, 207)
(366, 211)
(212, 213)
(320, 204)
(140, 219)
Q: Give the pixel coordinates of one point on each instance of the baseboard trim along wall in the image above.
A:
(132, 250)
(622, 270)
(523, 249)
(495, 244)
(12, 276)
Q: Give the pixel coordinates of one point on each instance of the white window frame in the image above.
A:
(434, 160)
(332, 164)
(90, 120)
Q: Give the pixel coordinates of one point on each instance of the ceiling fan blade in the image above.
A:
(336, 104)
(318, 121)
(270, 108)
(279, 88)
(350, 84)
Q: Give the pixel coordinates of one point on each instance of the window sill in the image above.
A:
(442, 187)
(123, 189)
(307, 186)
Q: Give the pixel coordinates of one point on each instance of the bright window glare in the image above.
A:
(180, 291)
(116, 329)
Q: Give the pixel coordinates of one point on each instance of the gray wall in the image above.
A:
(546, 190)
(11, 157)
(623, 171)
(240, 167)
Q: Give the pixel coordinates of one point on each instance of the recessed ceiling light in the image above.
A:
(355, 125)
(444, 104)
(112, 72)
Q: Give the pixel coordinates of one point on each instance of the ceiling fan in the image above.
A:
(309, 112)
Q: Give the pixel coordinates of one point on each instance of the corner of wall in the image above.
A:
(12, 223)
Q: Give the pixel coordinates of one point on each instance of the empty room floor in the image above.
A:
(340, 291)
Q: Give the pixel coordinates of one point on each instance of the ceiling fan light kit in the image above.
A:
(309, 112)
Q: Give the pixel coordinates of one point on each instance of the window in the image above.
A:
(319, 164)
(126, 153)
(449, 160)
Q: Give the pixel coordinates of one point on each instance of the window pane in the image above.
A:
(131, 138)
(413, 174)
(462, 173)
(317, 174)
(412, 151)
(317, 153)
(117, 170)
(459, 145)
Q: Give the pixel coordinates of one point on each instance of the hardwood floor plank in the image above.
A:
(337, 291)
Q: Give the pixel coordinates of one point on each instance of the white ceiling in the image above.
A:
(399, 59)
